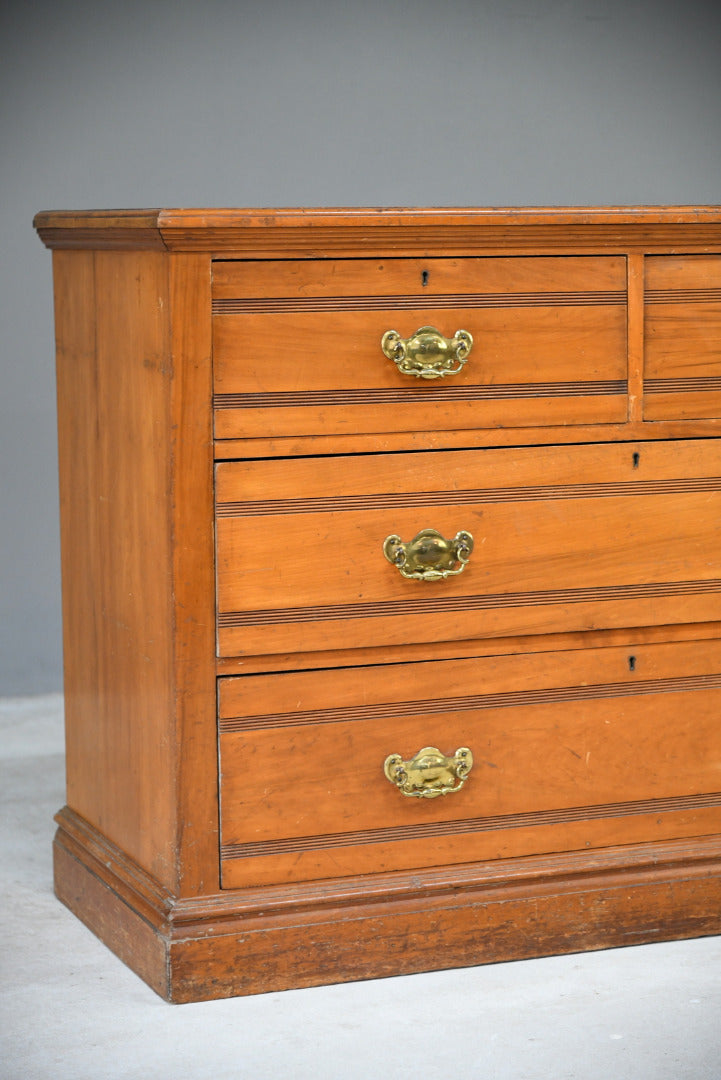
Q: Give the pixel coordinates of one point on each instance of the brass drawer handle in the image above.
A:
(428, 557)
(430, 773)
(427, 355)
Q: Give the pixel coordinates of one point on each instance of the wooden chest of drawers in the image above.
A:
(392, 586)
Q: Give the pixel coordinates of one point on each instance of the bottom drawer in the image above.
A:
(571, 750)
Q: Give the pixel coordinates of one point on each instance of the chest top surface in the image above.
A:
(314, 232)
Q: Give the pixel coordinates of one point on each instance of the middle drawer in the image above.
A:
(564, 538)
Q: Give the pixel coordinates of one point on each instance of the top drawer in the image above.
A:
(682, 376)
(297, 344)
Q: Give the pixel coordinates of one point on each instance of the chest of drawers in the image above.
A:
(391, 586)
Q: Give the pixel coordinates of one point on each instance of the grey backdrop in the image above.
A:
(312, 103)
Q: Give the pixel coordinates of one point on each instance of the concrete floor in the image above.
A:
(71, 1011)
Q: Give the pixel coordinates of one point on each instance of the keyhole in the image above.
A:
(424, 278)
(632, 663)
(636, 459)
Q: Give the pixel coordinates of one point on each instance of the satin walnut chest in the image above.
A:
(391, 586)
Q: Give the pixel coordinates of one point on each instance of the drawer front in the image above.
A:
(570, 750)
(297, 345)
(565, 538)
(683, 337)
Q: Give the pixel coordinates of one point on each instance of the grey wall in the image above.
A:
(312, 103)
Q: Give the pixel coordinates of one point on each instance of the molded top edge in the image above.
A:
(245, 230)
(295, 216)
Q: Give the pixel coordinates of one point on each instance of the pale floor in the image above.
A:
(72, 1011)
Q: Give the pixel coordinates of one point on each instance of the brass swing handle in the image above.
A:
(427, 354)
(428, 556)
(430, 773)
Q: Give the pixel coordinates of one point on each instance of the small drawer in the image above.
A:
(297, 345)
(682, 375)
(564, 539)
(570, 750)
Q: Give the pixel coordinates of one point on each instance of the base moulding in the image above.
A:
(261, 940)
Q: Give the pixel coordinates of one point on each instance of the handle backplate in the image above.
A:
(428, 556)
(427, 354)
(430, 773)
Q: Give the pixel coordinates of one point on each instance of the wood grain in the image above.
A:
(393, 442)
(322, 781)
(683, 329)
(549, 750)
(534, 355)
(514, 838)
(542, 543)
(588, 661)
(445, 650)
(314, 233)
(499, 279)
(135, 469)
(113, 372)
(263, 939)
(191, 509)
